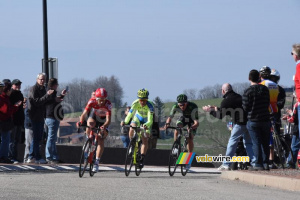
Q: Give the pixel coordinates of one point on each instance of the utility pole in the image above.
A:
(45, 65)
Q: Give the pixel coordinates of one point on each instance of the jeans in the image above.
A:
(236, 133)
(4, 145)
(295, 146)
(15, 139)
(260, 135)
(125, 139)
(51, 152)
(28, 142)
(38, 130)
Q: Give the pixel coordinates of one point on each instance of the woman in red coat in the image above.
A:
(6, 124)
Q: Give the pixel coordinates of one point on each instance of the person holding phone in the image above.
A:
(54, 114)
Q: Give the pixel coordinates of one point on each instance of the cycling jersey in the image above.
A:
(273, 91)
(143, 115)
(98, 110)
(191, 111)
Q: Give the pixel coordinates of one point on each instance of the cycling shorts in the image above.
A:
(138, 123)
(186, 122)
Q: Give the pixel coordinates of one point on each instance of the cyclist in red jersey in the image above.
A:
(98, 114)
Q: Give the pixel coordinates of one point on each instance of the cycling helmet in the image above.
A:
(275, 76)
(143, 94)
(181, 98)
(265, 71)
(101, 93)
(274, 72)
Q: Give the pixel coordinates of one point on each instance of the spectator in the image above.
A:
(125, 130)
(296, 55)
(154, 133)
(232, 106)
(1, 87)
(38, 97)
(292, 117)
(54, 114)
(18, 119)
(6, 123)
(256, 101)
(28, 133)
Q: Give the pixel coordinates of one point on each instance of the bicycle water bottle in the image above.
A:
(298, 159)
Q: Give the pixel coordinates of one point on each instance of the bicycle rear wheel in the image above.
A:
(174, 153)
(129, 158)
(138, 160)
(84, 158)
(279, 152)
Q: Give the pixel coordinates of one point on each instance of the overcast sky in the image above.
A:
(163, 45)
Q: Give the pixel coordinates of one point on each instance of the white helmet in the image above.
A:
(274, 72)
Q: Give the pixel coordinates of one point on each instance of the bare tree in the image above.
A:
(191, 93)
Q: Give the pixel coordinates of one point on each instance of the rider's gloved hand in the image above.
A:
(78, 124)
(167, 125)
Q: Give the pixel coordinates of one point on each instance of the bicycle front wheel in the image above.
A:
(84, 158)
(183, 167)
(92, 161)
(138, 160)
(174, 153)
(129, 158)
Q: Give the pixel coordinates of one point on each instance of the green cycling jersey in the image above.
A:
(142, 114)
(191, 111)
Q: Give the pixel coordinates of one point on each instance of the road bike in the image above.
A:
(176, 149)
(133, 154)
(282, 148)
(88, 154)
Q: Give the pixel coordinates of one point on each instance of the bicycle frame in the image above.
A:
(89, 148)
(137, 137)
(175, 154)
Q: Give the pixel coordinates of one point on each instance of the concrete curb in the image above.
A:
(284, 183)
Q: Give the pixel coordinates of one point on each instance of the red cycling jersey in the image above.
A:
(100, 111)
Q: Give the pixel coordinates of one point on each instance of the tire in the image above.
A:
(138, 158)
(129, 158)
(279, 152)
(173, 158)
(183, 167)
(92, 163)
(287, 148)
(83, 160)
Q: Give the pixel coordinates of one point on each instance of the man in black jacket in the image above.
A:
(18, 119)
(37, 99)
(256, 102)
(232, 106)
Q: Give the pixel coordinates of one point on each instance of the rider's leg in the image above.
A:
(100, 147)
(144, 147)
(190, 145)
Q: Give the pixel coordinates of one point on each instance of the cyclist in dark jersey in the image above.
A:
(188, 117)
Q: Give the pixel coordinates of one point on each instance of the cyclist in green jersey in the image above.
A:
(188, 117)
(142, 112)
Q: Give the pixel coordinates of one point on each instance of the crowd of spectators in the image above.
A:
(42, 106)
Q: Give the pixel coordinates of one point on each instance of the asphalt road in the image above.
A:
(114, 185)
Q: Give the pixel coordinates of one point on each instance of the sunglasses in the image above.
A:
(181, 104)
(100, 99)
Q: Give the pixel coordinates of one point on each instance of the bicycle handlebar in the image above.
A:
(177, 128)
(94, 129)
